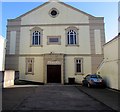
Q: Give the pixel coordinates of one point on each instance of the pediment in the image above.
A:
(54, 13)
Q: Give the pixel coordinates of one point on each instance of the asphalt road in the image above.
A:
(50, 97)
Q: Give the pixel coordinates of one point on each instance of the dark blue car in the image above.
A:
(93, 80)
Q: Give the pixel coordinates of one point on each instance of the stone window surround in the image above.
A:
(54, 43)
(41, 36)
(82, 72)
(26, 72)
(77, 36)
(52, 10)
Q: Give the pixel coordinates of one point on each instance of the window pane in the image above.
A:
(71, 39)
(39, 40)
(75, 39)
(33, 40)
(78, 68)
(29, 67)
(36, 40)
(68, 39)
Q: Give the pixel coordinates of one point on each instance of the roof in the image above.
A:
(62, 3)
(115, 38)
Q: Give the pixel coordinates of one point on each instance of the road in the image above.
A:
(50, 97)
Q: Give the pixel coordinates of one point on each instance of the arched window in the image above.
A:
(36, 35)
(71, 37)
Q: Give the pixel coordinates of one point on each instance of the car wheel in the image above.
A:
(89, 85)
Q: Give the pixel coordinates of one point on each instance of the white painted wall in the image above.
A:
(51, 27)
(66, 15)
(70, 68)
(9, 76)
(109, 68)
(83, 48)
(38, 69)
(2, 53)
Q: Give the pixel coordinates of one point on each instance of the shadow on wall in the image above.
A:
(107, 82)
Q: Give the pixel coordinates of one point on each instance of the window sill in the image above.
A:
(53, 43)
(36, 45)
(79, 73)
(70, 45)
(29, 73)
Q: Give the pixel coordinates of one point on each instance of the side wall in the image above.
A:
(2, 53)
(109, 68)
(119, 61)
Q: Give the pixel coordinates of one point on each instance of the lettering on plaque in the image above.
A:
(53, 63)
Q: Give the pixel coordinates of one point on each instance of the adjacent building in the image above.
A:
(54, 42)
(2, 53)
(110, 66)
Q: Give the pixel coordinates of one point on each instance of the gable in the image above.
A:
(66, 15)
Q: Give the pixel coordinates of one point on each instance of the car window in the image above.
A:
(95, 76)
(88, 76)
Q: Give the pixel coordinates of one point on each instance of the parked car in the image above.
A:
(93, 80)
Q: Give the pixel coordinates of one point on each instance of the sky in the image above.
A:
(108, 10)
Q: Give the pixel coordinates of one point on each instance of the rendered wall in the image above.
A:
(66, 15)
(8, 78)
(83, 48)
(2, 53)
(109, 67)
(70, 68)
(38, 69)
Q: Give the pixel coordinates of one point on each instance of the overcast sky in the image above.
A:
(108, 10)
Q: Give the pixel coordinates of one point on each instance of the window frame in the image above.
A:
(78, 73)
(77, 36)
(31, 36)
(54, 9)
(26, 69)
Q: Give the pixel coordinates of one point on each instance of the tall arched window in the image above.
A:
(71, 37)
(36, 38)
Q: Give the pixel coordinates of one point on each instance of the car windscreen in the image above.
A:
(95, 76)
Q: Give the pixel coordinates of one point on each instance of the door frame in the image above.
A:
(53, 59)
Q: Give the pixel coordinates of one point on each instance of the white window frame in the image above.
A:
(32, 36)
(74, 32)
(81, 62)
(29, 61)
(36, 35)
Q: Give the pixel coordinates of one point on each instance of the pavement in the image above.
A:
(107, 96)
(55, 98)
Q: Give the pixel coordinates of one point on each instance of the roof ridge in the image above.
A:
(67, 5)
